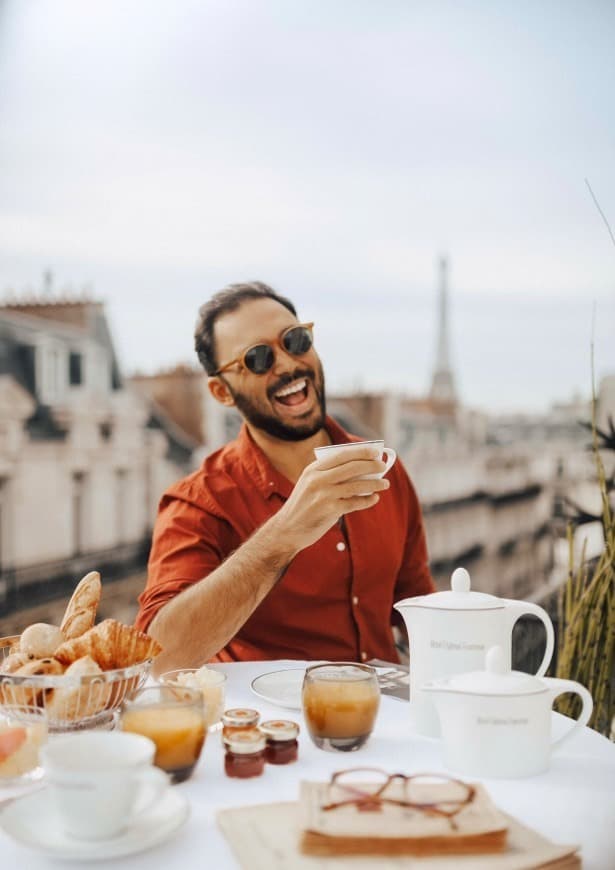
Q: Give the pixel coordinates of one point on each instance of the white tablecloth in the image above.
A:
(573, 803)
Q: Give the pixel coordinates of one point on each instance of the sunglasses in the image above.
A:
(258, 359)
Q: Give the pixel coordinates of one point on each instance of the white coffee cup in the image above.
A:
(349, 447)
(100, 782)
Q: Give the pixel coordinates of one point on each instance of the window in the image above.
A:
(78, 499)
(75, 369)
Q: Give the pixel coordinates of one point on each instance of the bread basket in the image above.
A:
(73, 702)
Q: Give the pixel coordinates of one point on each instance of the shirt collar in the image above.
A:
(267, 479)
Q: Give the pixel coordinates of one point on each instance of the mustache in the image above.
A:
(287, 379)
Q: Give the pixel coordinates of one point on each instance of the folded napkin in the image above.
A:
(267, 837)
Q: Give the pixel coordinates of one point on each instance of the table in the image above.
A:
(574, 802)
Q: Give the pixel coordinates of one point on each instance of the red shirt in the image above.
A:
(334, 601)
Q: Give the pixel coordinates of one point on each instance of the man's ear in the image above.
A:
(220, 391)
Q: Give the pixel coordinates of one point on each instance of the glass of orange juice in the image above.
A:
(174, 718)
(340, 703)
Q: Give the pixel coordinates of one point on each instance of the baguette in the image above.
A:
(80, 613)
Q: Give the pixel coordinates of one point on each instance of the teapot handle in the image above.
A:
(521, 608)
(559, 687)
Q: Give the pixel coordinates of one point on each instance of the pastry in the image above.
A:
(80, 613)
(40, 640)
(13, 661)
(79, 699)
(22, 693)
(111, 645)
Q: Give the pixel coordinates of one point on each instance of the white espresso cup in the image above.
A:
(347, 449)
(100, 782)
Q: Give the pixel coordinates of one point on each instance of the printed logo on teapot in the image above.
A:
(495, 720)
(457, 646)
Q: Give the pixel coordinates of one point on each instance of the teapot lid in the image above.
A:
(459, 597)
(496, 679)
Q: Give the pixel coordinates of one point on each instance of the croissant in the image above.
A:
(111, 644)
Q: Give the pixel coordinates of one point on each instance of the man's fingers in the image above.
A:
(348, 454)
(359, 503)
(348, 470)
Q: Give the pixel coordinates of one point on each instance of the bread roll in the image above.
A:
(40, 668)
(40, 640)
(23, 693)
(80, 699)
(13, 661)
(80, 613)
(111, 645)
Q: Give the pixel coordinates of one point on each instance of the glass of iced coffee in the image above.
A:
(174, 718)
(340, 704)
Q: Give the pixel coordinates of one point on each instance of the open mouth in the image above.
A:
(292, 394)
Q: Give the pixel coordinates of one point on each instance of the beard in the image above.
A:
(257, 414)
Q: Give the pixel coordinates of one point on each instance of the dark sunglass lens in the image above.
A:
(297, 340)
(259, 359)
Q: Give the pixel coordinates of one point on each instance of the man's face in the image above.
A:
(288, 401)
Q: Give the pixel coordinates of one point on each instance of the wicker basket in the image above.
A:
(73, 703)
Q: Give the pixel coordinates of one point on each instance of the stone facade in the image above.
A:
(83, 457)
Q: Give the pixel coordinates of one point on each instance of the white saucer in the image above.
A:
(282, 688)
(154, 826)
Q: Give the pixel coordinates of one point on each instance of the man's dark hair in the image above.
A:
(228, 299)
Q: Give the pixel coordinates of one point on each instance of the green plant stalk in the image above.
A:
(586, 643)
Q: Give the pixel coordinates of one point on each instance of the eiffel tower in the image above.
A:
(443, 381)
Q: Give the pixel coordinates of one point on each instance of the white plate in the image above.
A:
(282, 688)
(153, 827)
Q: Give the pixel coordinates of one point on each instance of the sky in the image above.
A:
(154, 152)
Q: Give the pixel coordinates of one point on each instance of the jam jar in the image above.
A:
(244, 753)
(238, 719)
(281, 735)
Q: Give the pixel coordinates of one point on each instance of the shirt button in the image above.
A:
(340, 546)
(363, 656)
(355, 600)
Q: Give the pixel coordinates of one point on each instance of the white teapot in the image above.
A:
(497, 722)
(450, 632)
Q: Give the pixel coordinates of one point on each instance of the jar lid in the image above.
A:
(280, 729)
(496, 679)
(245, 742)
(459, 597)
(240, 716)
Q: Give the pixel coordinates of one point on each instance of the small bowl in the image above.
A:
(213, 690)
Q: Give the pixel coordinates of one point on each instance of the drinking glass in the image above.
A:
(23, 730)
(210, 683)
(340, 703)
(174, 718)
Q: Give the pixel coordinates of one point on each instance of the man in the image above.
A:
(264, 552)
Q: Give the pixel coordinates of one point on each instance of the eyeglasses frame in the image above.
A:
(373, 800)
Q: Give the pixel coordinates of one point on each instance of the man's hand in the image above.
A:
(327, 489)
